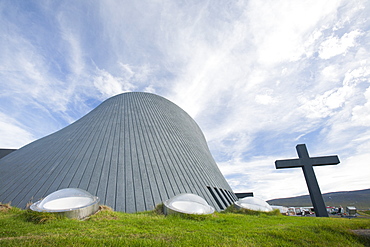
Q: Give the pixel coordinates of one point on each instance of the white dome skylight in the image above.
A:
(187, 204)
(254, 203)
(68, 200)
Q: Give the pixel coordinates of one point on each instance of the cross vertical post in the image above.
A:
(311, 181)
(307, 164)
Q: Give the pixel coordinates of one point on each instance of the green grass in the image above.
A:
(109, 228)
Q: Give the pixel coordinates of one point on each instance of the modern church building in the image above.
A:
(133, 151)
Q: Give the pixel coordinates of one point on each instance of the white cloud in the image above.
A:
(150, 89)
(334, 46)
(264, 99)
(361, 113)
(281, 29)
(357, 75)
(109, 85)
(128, 78)
(13, 134)
(331, 73)
(325, 105)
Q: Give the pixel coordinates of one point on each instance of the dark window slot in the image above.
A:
(226, 197)
(221, 197)
(215, 197)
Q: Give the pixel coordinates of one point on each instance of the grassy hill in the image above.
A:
(358, 198)
(108, 228)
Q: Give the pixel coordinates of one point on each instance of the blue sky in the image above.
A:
(259, 77)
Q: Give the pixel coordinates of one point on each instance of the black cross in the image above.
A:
(307, 164)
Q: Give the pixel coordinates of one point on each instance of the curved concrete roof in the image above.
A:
(133, 151)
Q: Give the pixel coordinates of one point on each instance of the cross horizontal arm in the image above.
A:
(324, 160)
(279, 164)
(314, 161)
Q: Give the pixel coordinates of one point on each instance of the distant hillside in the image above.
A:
(358, 198)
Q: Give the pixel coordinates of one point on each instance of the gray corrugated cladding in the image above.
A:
(133, 151)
